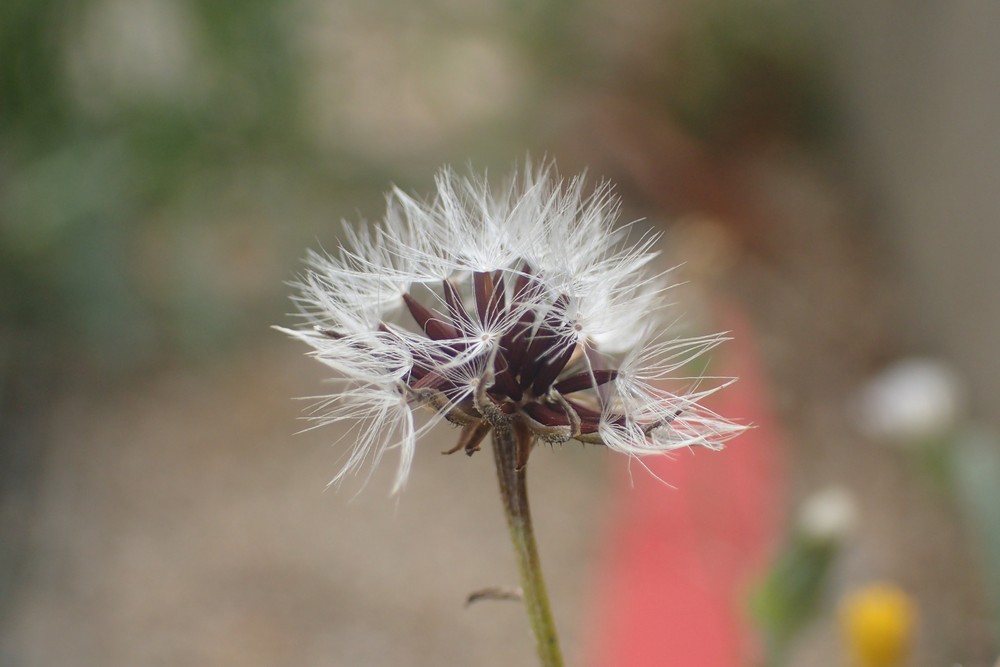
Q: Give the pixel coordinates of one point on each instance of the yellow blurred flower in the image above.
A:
(878, 623)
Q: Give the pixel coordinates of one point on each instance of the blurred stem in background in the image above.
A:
(792, 592)
(976, 483)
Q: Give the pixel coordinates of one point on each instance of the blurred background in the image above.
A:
(826, 172)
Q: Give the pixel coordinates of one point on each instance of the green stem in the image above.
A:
(507, 443)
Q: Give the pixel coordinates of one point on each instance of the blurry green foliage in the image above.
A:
(92, 158)
(790, 595)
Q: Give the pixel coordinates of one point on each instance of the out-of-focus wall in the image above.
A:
(923, 84)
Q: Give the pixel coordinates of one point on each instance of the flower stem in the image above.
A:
(509, 447)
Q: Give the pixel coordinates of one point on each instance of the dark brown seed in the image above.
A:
(433, 324)
(498, 300)
(551, 368)
(459, 315)
(587, 380)
(482, 284)
(504, 382)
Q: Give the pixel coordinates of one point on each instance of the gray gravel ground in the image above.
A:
(182, 523)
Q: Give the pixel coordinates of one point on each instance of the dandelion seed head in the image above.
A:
(488, 305)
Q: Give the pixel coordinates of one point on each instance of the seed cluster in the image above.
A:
(522, 309)
(536, 371)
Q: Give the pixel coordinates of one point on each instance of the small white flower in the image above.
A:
(911, 402)
(520, 307)
(828, 516)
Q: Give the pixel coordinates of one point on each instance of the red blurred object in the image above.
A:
(673, 579)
